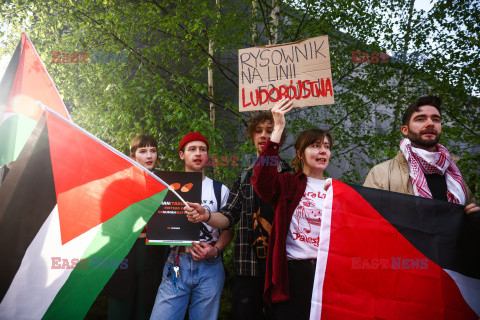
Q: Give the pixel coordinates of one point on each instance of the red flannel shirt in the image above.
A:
(283, 191)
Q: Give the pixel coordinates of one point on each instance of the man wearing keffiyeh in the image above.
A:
(422, 166)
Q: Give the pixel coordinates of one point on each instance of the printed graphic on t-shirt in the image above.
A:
(303, 237)
(307, 217)
(207, 233)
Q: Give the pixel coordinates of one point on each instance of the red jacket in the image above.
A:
(283, 191)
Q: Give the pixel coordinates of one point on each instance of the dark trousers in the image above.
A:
(131, 291)
(133, 305)
(247, 299)
(301, 274)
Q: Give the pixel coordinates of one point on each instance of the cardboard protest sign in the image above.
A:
(298, 70)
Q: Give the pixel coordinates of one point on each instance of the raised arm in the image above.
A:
(278, 111)
(266, 179)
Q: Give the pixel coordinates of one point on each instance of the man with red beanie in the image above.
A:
(200, 268)
(243, 207)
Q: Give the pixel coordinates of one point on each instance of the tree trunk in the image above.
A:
(275, 15)
(210, 82)
(399, 107)
(211, 52)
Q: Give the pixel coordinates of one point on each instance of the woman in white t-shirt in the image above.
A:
(297, 200)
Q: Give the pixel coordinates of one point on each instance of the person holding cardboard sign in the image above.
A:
(298, 202)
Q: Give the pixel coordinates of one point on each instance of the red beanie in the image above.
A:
(192, 136)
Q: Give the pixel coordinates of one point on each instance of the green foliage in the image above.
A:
(148, 62)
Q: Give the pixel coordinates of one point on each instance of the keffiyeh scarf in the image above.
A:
(421, 162)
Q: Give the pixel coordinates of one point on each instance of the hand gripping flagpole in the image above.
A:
(47, 109)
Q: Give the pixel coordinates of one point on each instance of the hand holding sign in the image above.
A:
(202, 251)
(278, 111)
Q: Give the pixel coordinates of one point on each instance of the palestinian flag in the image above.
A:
(385, 255)
(70, 210)
(25, 76)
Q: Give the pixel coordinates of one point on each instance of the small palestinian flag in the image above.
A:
(25, 76)
(385, 255)
(71, 208)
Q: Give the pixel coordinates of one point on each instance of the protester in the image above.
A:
(254, 217)
(131, 290)
(201, 275)
(297, 200)
(422, 166)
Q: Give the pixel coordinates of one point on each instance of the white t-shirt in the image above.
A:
(303, 236)
(207, 233)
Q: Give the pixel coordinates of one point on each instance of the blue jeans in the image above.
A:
(200, 282)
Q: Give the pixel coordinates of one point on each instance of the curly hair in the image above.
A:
(258, 119)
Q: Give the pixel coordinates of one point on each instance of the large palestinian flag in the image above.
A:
(25, 76)
(385, 255)
(71, 208)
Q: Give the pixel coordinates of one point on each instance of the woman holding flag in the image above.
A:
(132, 288)
(298, 202)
